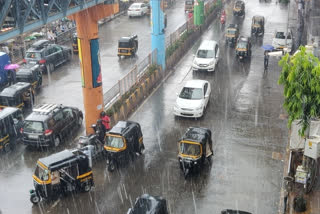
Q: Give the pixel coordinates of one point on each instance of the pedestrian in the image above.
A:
(266, 60)
(105, 120)
(100, 130)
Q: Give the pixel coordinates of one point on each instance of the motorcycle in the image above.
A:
(223, 18)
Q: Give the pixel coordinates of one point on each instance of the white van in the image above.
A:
(207, 56)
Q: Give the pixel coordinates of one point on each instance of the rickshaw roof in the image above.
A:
(197, 134)
(124, 39)
(59, 159)
(243, 39)
(235, 26)
(12, 90)
(26, 69)
(258, 18)
(155, 202)
(122, 127)
(8, 111)
(239, 3)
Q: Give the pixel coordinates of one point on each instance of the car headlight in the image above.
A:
(195, 62)
(199, 108)
(176, 106)
(212, 62)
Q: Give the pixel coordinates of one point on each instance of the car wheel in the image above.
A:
(80, 120)
(69, 56)
(34, 199)
(57, 141)
(141, 148)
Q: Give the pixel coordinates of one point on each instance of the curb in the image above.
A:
(110, 18)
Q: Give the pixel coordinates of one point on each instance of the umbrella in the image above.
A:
(268, 47)
(11, 66)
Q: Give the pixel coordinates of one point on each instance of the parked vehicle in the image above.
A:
(147, 204)
(239, 8)
(18, 95)
(75, 47)
(47, 55)
(188, 6)
(228, 211)
(137, 9)
(49, 124)
(193, 99)
(194, 148)
(279, 40)
(243, 48)
(257, 26)
(207, 56)
(122, 142)
(10, 122)
(128, 46)
(232, 34)
(30, 73)
(60, 173)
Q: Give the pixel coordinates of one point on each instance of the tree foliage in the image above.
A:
(300, 77)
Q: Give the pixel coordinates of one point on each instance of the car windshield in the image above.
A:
(33, 126)
(257, 22)
(135, 6)
(280, 35)
(191, 93)
(114, 142)
(24, 79)
(242, 45)
(33, 55)
(231, 31)
(189, 149)
(8, 101)
(42, 174)
(123, 44)
(204, 54)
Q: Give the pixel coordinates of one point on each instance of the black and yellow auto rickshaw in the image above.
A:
(11, 120)
(257, 26)
(194, 148)
(188, 6)
(243, 48)
(30, 73)
(19, 95)
(122, 142)
(128, 46)
(60, 173)
(232, 34)
(75, 47)
(239, 8)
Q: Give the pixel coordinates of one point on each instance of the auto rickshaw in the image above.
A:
(239, 8)
(243, 48)
(188, 6)
(232, 35)
(19, 95)
(75, 43)
(194, 148)
(60, 173)
(122, 142)
(128, 46)
(11, 120)
(30, 73)
(257, 26)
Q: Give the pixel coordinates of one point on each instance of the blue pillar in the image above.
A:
(157, 32)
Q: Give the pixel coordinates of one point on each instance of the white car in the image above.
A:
(137, 9)
(193, 99)
(279, 40)
(207, 56)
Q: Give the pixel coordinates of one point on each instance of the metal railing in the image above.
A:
(130, 79)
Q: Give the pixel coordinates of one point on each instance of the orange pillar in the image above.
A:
(91, 78)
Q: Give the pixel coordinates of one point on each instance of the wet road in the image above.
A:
(243, 114)
(64, 84)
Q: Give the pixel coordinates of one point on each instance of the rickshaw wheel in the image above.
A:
(34, 199)
(87, 187)
(7, 148)
(80, 121)
(112, 166)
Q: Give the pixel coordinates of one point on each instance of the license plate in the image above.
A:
(33, 136)
(33, 62)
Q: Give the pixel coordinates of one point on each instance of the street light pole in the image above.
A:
(287, 25)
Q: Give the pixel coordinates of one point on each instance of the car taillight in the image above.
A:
(42, 61)
(21, 130)
(47, 132)
(24, 61)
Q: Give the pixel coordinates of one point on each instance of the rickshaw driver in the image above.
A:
(55, 177)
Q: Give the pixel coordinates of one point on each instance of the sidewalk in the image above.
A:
(311, 30)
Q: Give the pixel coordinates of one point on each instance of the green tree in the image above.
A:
(300, 77)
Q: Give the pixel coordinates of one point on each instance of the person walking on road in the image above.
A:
(105, 120)
(266, 60)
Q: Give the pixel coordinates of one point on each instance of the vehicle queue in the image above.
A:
(71, 170)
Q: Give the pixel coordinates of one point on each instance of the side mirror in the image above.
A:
(206, 96)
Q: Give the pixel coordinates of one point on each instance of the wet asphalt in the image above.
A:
(243, 114)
